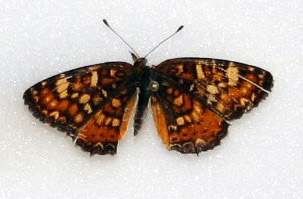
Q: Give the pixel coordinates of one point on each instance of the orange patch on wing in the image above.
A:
(77, 86)
(52, 104)
(72, 110)
(45, 91)
(200, 133)
(109, 109)
(246, 89)
(218, 76)
(234, 92)
(126, 116)
(207, 129)
(160, 121)
(226, 100)
(46, 96)
(63, 105)
(187, 103)
(102, 128)
(107, 81)
(251, 77)
(86, 80)
(93, 133)
(187, 75)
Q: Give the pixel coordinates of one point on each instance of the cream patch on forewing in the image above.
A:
(99, 144)
(253, 97)
(243, 101)
(212, 89)
(63, 94)
(200, 142)
(116, 122)
(199, 70)
(211, 98)
(251, 68)
(100, 118)
(55, 114)
(113, 72)
(197, 107)
(180, 69)
(34, 92)
(178, 101)
(195, 115)
(191, 87)
(62, 85)
(78, 118)
(44, 83)
(232, 74)
(180, 121)
(222, 85)
(75, 95)
(94, 79)
(104, 93)
(188, 118)
(116, 103)
(220, 107)
(108, 120)
(62, 75)
(172, 127)
(84, 98)
(88, 108)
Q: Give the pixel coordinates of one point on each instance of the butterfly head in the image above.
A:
(139, 61)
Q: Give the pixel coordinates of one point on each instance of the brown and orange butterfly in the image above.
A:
(192, 100)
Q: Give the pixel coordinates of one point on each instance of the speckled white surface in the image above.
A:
(262, 156)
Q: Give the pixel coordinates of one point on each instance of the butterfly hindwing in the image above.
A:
(76, 101)
(184, 124)
(196, 98)
(101, 133)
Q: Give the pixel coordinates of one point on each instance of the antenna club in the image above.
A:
(105, 22)
(180, 28)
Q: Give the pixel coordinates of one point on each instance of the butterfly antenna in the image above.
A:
(180, 28)
(106, 23)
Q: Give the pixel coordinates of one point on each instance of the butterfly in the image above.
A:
(192, 99)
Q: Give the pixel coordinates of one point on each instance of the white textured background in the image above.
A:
(262, 157)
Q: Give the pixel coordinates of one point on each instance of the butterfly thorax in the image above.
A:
(140, 63)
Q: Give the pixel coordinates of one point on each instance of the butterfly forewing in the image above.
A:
(226, 87)
(89, 103)
(198, 96)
